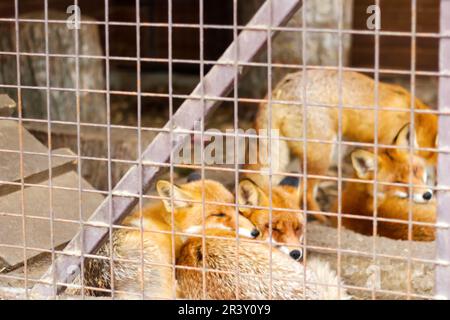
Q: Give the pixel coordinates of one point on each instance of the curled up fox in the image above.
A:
(395, 198)
(143, 262)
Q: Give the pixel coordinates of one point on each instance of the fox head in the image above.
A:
(287, 226)
(186, 202)
(395, 166)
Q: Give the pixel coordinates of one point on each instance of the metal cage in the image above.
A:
(217, 78)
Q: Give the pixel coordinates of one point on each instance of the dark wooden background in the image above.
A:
(395, 51)
(154, 40)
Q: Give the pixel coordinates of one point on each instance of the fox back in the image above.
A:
(326, 90)
(225, 259)
(310, 102)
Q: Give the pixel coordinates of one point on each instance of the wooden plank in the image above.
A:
(123, 146)
(37, 217)
(63, 161)
(35, 166)
(395, 51)
(218, 82)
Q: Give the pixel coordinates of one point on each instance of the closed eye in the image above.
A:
(273, 228)
(220, 215)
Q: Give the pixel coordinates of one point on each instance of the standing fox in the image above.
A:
(154, 246)
(287, 220)
(393, 202)
(323, 89)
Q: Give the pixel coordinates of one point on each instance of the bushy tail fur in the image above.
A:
(332, 287)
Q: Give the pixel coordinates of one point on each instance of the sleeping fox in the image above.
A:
(287, 221)
(260, 277)
(394, 166)
(153, 249)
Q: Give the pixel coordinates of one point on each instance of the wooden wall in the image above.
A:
(395, 51)
(154, 40)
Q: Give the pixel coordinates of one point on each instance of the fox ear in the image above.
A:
(167, 190)
(403, 138)
(294, 183)
(363, 162)
(290, 181)
(248, 195)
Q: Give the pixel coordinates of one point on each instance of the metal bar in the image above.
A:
(218, 82)
(202, 129)
(229, 27)
(21, 148)
(411, 143)
(192, 61)
(442, 287)
(139, 147)
(171, 169)
(236, 147)
(339, 140)
(376, 144)
(79, 162)
(108, 137)
(49, 136)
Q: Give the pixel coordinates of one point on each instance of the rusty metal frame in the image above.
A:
(218, 83)
(442, 285)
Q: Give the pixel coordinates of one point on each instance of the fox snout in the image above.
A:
(249, 233)
(255, 233)
(296, 254)
(427, 195)
(423, 196)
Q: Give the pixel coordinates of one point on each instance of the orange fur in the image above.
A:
(287, 226)
(393, 202)
(324, 87)
(156, 249)
(253, 261)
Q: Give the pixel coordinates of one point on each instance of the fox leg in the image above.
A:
(311, 202)
(319, 159)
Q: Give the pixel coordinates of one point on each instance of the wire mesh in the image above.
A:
(216, 79)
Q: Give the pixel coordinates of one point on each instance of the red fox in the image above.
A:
(287, 225)
(325, 88)
(153, 247)
(224, 259)
(394, 166)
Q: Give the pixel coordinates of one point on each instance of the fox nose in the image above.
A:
(254, 233)
(296, 254)
(427, 196)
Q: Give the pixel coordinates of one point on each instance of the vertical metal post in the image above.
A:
(442, 287)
